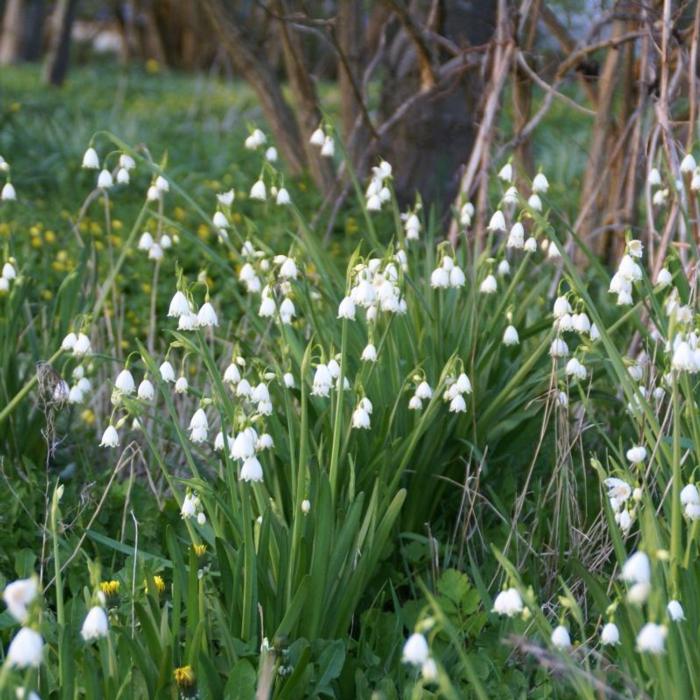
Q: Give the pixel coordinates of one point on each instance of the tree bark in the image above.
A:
(258, 74)
(56, 66)
(12, 31)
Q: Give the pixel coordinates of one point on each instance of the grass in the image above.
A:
(307, 582)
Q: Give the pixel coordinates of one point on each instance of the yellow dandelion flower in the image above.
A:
(110, 588)
(184, 676)
(180, 214)
(88, 416)
(158, 582)
(50, 237)
(47, 295)
(200, 549)
(117, 225)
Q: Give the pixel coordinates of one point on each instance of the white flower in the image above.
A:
(317, 137)
(8, 271)
(369, 354)
(415, 650)
(8, 194)
(489, 285)
(123, 176)
(412, 227)
(104, 180)
(206, 317)
(167, 373)
(322, 381)
(510, 196)
(530, 245)
(458, 404)
(575, 369)
(255, 140)
(664, 278)
(688, 164)
(267, 307)
(125, 382)
(201, 518)
(635, 248)
(560, 637)
(424, 392)
(457, 278)
(637, 454)
(506, 173)
(271, 154)
(68, 343)
(226, 198)
(346, 309)
(683, 359)
(126, 162)
(534, 202)
(251, 470)
(516, 237)
(95, 625)
(179, 306)
(497, 222)
(258, 191)
(540, 183)
(199, 420)
(26, 649)
(305, 506)
(561, 307)
(181, 385)
(690, 495)
(675, 611)
(637, 569)
(415, 404)
(244, 388)
(146, 241)
(328, 148)
(190, 506)
(463, 385)
(90, 159)
(232, 375)
(610, 634)
(161, 184)
(654, 178)
(155, 252)
(429, 671)
(146, 392)
(629, 269)
(265, 442)
(18, 595)
(558, 348)
(283, 197)
(219, 220)
(287, 311)
(508, 602)
(360, 418)
(110, 437)
(440, 278)
(638, 593)
(582, 323)
(288, 269)
(651, 638)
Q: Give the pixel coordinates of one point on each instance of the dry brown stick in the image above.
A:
(692, 78)
(428, 76)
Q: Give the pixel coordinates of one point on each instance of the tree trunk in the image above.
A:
(32, 36)
(429, 144)
(12, 32)
(258, 74)
(56, 66)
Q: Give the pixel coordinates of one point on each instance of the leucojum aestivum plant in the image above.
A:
(308, 417)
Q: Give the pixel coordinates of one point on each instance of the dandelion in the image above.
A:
(508, 603)
(95, 625)
(415, 650)
(651, 638)
(26, 649)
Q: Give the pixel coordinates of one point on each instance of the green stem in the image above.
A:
(337, 424)
(676, 488)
